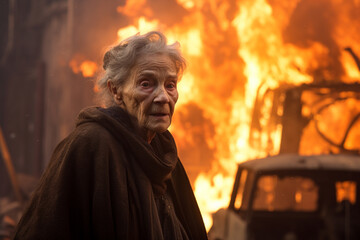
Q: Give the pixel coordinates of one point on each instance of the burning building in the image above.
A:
(264, 77)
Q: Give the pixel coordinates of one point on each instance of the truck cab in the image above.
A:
(293, 197)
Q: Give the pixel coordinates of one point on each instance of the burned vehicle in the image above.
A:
(308, 186)
(293, 197)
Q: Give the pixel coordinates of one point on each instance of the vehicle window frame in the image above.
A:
(283, 173)
(235, 188)
(246, 192)
(285, 192)
(325, 185)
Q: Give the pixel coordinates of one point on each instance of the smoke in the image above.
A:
(196, 132)
(314, 21)
(322, 21)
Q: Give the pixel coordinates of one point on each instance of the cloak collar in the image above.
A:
(157, 159)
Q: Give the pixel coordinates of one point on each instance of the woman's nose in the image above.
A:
(162, 95)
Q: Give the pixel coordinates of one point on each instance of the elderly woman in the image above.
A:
(117, 175)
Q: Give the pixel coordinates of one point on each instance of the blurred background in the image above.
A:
(245, 58)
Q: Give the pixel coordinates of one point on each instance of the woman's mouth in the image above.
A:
(159, 114)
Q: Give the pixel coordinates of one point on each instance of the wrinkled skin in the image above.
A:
(150, 93)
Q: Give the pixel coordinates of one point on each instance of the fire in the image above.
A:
(350, 66)
(144, 25)
(187, 4)
(212, 190)
(87, 68)
(236, 50)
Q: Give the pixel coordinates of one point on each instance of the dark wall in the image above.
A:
(19, 73)
(40, 96)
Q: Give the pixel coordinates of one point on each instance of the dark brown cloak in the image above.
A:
(100, 184)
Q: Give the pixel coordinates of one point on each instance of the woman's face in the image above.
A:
(150, 93)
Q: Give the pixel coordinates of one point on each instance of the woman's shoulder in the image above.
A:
(91, 131)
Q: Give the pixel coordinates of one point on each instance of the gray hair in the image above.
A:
(120, 59)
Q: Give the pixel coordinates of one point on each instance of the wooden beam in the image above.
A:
(10, 168)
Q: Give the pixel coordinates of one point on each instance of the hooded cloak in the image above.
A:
(105, 182)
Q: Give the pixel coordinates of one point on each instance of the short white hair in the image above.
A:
(120, 59)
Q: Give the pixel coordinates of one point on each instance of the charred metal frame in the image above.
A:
(289, 100)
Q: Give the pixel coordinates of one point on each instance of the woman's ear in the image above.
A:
(111, 87)
(114, 91)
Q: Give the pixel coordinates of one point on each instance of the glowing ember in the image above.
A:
(86, 67)
(236, 50)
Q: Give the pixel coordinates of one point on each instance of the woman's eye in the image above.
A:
(145, 83)
(171, 85)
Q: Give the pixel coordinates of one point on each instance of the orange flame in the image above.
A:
(235, 51)
(86, 67)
